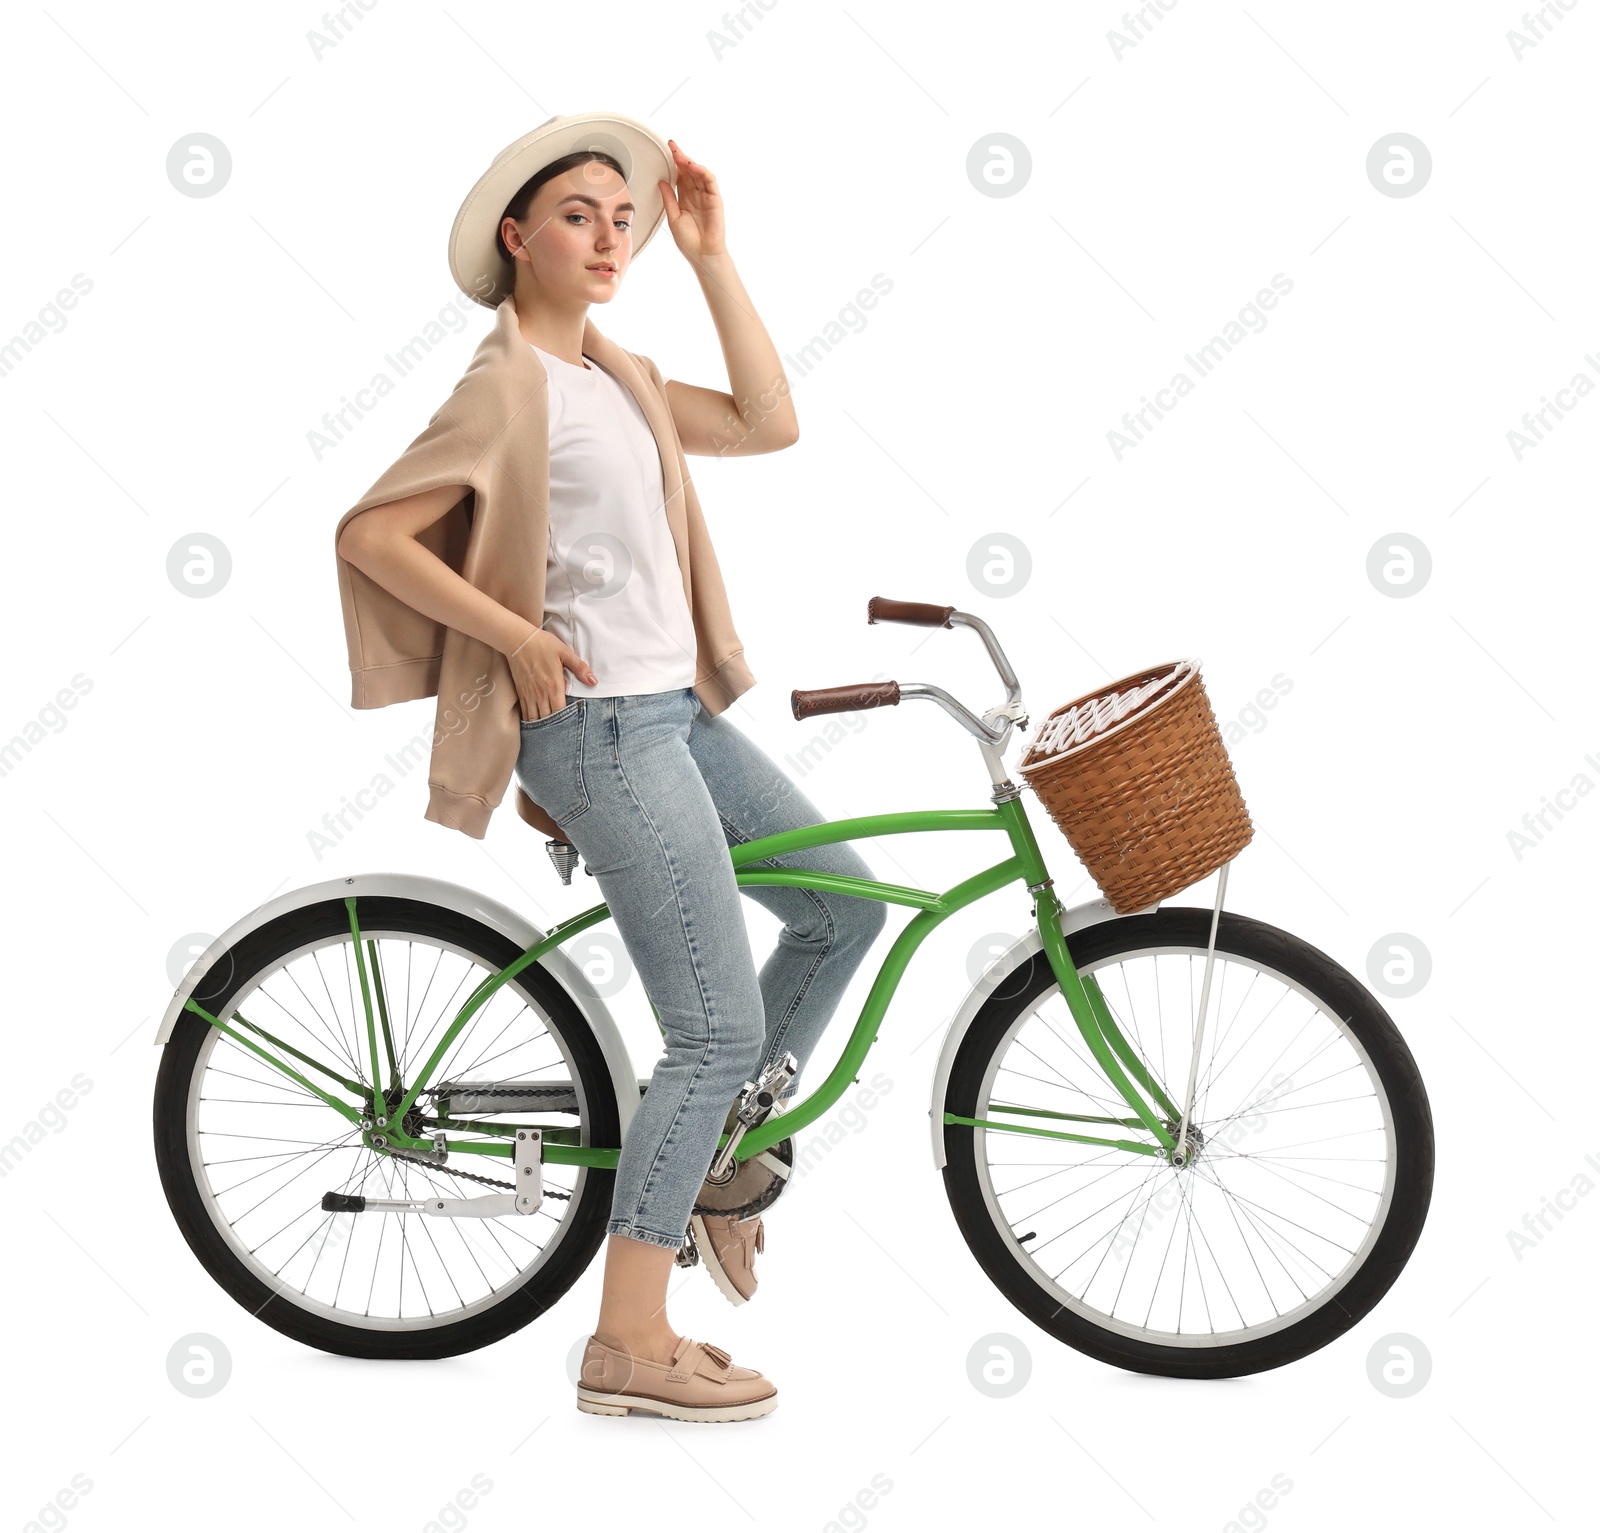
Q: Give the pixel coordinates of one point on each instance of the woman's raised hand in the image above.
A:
(539, 667)
(694, 211)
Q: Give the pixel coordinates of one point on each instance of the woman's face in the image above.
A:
(578, 233)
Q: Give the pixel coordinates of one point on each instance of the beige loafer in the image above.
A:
(701, 1383)
(728, 1247)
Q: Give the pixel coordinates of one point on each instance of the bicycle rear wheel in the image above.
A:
(1297, 1211)
(246, 1153)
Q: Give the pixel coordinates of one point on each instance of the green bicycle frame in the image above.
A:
(1153, 1111)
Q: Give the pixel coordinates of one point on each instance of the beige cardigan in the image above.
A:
(492, 436)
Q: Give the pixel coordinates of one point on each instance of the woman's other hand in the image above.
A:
(694, 211)
(539, 667)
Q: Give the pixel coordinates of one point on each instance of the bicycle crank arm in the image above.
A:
(757, 1102)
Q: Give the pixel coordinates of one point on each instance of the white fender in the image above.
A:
(1020, 951)
(468, 902)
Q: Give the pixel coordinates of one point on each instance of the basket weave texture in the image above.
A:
(1138, 779)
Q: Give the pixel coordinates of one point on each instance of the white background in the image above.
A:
(1167, 186)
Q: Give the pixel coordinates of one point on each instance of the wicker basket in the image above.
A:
(1139, 781)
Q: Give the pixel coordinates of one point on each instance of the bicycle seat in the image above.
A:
(536, 817)
(563, 854)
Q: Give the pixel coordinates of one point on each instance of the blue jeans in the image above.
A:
(652, 791)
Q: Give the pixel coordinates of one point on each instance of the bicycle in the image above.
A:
(1084, 1112)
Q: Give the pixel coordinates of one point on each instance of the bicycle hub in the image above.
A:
(1196, 1143)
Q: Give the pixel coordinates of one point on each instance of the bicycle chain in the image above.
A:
(471, 1176)
(556, 1089)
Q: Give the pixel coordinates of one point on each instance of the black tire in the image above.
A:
(997, 1247)
(566, 1254)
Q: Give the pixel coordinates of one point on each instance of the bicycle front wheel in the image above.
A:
(1311, 1141)
(246, 1153)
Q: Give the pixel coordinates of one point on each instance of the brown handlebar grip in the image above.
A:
(864, 694)
(885, 609)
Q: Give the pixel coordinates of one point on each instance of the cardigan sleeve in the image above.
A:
(394, 650)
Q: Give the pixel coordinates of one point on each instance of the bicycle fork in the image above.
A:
(1112, 1050)
(1100, 1031)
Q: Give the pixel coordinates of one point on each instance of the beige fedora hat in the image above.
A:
(480, 271)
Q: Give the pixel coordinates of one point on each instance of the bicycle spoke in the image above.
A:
(1072, 1043)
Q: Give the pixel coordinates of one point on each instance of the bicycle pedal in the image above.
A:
(774, 1081)
(763, 1096)
(689, 1252)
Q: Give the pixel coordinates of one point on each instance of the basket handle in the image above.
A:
(885, 609)
(864, 694)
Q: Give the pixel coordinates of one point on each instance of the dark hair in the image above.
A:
(517, 208)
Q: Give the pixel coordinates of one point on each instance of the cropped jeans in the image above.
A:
(653, 791)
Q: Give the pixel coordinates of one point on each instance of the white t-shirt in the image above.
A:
(613, 588)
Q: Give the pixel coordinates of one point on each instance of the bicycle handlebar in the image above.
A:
(886, 694)
(885, 609)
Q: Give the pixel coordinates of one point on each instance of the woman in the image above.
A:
(649, 785)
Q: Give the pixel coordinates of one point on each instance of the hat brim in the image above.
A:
(477, 266)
